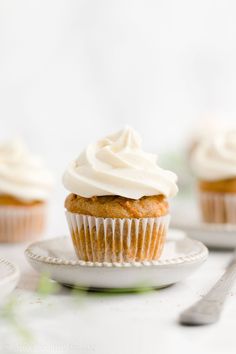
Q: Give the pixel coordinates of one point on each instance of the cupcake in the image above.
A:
(117, 209)
(214, 163)
(208, 128)
(25, 186)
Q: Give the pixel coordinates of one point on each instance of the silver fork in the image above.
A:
(209, 308)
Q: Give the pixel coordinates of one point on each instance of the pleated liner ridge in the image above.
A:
(219, 208)
(19, 224)
(117, 240)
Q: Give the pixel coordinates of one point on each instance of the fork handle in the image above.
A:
(208, 309)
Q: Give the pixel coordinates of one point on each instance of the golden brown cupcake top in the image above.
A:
(118, 207)
(8, 200)
(221, 186)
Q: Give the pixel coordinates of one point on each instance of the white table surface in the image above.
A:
(116, 323)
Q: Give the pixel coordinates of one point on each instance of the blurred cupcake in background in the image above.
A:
(118, 208)
(25, 187)
(214, 163)
(207, 128)
(178, 159)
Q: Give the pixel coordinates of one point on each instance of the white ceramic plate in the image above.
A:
(9, 276)
(185, 216)
(56, 256)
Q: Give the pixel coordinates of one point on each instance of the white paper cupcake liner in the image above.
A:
(117, 240)
(219, 208)
(19, 224)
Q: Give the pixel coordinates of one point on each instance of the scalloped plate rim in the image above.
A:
(196, 256)
(219, 236)
(117, 276)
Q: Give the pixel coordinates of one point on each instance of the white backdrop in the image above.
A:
(74, 70)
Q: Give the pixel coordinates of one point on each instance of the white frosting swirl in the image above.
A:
(116, 165)
(23, 175)
(215, 158)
